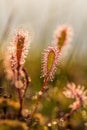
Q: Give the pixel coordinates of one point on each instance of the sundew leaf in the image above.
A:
(62, 39)
(20, 45)
(63, 35)
(50, 60)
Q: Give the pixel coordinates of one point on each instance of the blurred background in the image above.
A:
(41, 18)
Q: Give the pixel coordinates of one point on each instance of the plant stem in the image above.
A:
(40, 96)
(64, 117)
(21, 102)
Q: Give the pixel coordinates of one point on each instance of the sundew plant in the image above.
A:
(42, 110)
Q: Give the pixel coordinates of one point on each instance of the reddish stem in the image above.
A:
(40, 96)
(21, 101)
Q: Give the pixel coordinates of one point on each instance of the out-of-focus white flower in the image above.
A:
(78, 93)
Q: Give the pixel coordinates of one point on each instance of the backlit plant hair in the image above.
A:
(49, 63)
(79, 94)
(18, 51)
(49, 66)
(62, 36)
(51, 57)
